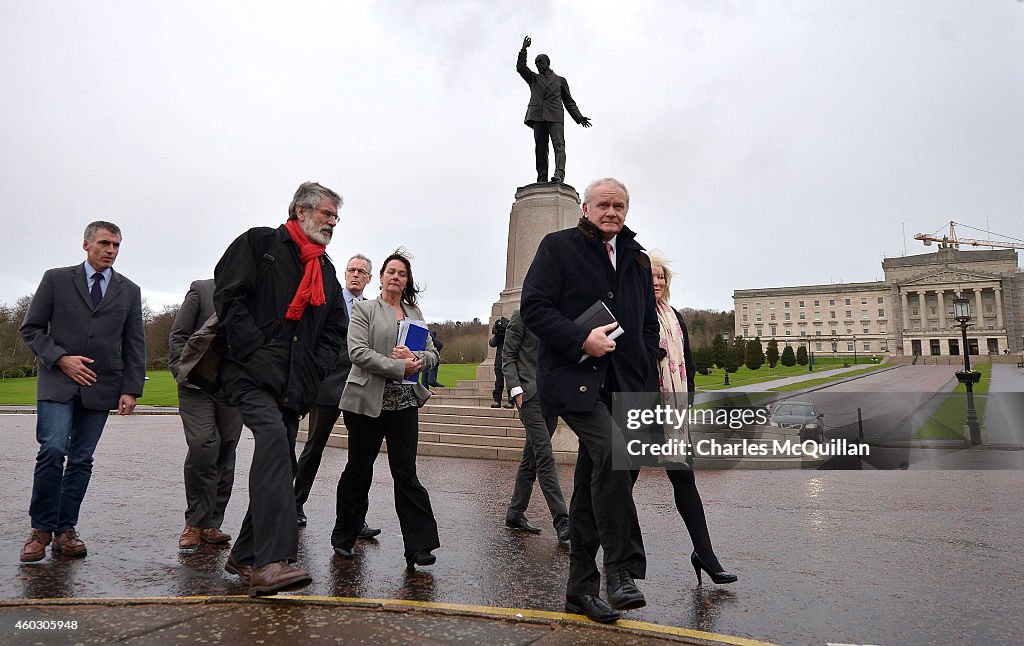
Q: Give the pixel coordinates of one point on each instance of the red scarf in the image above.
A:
(311, 287)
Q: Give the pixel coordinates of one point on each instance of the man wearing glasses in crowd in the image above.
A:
(325, 411)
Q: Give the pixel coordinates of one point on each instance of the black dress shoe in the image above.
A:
(520, 522)
(301, 517)
(496, 405)
(509, 404)
(557, 180)
(718, 577)
(368, 532)
(563, 530)
(349, 553)
(623, 593)
(592, 606)
(420, 558)
(542, 179)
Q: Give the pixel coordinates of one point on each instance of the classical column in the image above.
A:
(922, 307)
(905, 310)
(980, 316)
(942, 309)
(999, 306)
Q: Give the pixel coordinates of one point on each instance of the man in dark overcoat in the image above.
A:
(598, 260)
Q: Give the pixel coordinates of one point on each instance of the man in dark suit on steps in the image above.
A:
(85, 327)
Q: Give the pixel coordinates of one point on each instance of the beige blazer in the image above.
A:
(372, 333)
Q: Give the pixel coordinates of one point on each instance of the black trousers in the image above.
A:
(269, 530)
(601, 512)
(412, 503)
(538, 463)
(499, 376)
(321, 423)
(212, 428)
(542, 131)
(691, 509)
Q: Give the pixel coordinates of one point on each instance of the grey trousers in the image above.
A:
(601, 512)
(212, 428)
(270, 530)
(538, 463)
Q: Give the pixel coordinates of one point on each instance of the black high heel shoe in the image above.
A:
(717, 577)
(420, 558)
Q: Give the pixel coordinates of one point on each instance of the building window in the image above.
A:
(913, 311)
(849, 315)
(831, 302)
(867, 346)
(849, 347)
(881, 313)
(760, 331)
(832, 314)
(787, 333)
(801, 303)
(802, 316)
(744, 318)
(931, 311)
(847, 301)
(863, 300)
(758, 318)
(773, 316)
(787, 316)
(771, 304)
(785, 304)
(881, 329)
(880, 300)
(744, 306)
(817, 303)
(817, 347)
(884, 347)
(817, 316)
(774, 329)
(746, 330)
(757, 306)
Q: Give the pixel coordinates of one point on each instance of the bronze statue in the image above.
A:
(548, 93)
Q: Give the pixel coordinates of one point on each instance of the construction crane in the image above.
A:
(954, 241)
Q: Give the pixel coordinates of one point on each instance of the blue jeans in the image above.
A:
(63, 430)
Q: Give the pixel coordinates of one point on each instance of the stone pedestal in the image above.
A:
(539, 209)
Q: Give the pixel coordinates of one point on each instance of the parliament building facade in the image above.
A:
(910, 312)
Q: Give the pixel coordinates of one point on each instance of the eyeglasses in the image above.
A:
(328, 214)
(356, 270)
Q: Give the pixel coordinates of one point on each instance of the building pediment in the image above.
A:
(949, 275)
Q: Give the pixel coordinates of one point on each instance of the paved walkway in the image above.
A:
(765, 386)
(822, 556)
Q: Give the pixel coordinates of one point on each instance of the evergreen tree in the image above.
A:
(788, 356)
(734, 359)
(719, 350)
(772, 354)
(801, 355)
(704, 359)
(753, 354)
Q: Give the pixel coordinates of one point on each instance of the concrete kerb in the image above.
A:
(653, 632)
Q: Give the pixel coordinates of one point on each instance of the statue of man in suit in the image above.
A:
(85, 327)
(545, 114)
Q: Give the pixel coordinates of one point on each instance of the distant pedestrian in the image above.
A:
(212, 428)
(84, 325)
(280, 308)
(497, 341)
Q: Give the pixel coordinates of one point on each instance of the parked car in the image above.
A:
(799, 415)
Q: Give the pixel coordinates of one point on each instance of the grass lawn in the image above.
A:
(810, 383)
(745, 376)
(161, 390)
(948, 421)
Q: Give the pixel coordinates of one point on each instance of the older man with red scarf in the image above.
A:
(283, 321)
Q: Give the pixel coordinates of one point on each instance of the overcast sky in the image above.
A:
(764, 143)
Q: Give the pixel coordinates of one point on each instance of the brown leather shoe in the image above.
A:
(243, 572)
(35, 546)
(68, 544)
(214, 536)
(190, 539)
(277, 577)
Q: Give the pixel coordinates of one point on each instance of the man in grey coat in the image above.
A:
(549, 92)
(85, 327)
(519, 363)
(212, 428)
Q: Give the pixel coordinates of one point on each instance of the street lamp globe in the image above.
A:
(961, 309)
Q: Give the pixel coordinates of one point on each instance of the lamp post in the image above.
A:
(725, 337)
(835, 342)
(962, 314)
(854, 349)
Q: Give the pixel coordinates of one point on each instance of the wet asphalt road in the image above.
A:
(881, 557)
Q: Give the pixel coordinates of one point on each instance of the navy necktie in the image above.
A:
(97, 291)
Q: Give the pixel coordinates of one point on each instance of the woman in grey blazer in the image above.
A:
(378, 404)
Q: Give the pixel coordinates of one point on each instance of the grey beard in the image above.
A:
(314, 234)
